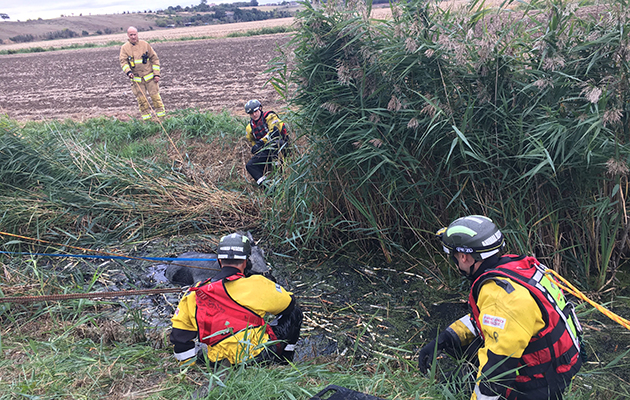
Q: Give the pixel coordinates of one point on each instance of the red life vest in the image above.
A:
(219, 316)
(552, 357)
(260, 128)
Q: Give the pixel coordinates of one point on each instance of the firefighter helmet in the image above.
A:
(252, 105)
(475, 235)
(234, 246)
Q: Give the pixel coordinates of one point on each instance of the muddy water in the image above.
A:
(356, 312)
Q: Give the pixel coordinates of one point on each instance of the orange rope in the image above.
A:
(571, 289)
(68, 296)
(159, 122)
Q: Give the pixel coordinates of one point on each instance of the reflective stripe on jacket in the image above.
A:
(141, 71)
(551, 358)
(219, 316)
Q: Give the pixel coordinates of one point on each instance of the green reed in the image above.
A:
(518, 114)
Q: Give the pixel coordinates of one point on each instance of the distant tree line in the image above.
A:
(62, 34)
(222, 13)
(204, 7)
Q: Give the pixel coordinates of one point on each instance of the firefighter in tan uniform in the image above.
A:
(142, 66)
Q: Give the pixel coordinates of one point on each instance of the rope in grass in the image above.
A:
(103, 254)
(69, 296)
(567, 286)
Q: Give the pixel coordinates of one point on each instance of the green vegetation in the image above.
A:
(402, 126)
(104, 179)
(262, 31)
(88, 349)
(22, 38)
(62, 34)
(40, 49)
(518, 115)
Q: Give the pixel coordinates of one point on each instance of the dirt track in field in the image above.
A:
(212, 74)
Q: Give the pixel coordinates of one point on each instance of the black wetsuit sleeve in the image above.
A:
(182, 340)
(289, 323)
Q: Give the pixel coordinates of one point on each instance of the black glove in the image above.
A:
(447, 341)
(256, 148)
(275, 133)
(201, 357)
(426, 356)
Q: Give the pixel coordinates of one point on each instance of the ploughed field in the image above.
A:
(209, 74)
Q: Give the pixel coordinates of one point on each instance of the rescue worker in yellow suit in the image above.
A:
(141, 64)
(268, 136)
(222, 319)
(528, 333)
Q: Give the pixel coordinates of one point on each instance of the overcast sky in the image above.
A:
(22, 10)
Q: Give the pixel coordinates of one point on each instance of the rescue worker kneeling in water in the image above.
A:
(222, 318)
(528, 332)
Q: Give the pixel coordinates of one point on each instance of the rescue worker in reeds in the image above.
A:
(268, 136)
(141, 64)
(222, 319)
(527, 334)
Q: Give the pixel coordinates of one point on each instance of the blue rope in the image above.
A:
(23, 253)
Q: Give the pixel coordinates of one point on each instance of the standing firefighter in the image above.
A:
(142, 66)
(222, 319)
(268, 136)
(529, 334)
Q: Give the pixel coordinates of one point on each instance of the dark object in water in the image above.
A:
(180, 274)
(334, 392)
(187, 273)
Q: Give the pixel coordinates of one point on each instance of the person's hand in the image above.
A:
(447, 341)
(426, 356)
(130, 75)
(275, 133)
(256, 148)
(157, 78)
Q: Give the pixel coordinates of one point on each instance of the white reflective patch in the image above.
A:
(478, 218)
(468, 323)
(236, 256)
(481, 396)
(278, 288)
(492, 239)
(185, 355)
(289, 347)
(491, 320)
(488, 254)
(233, 248)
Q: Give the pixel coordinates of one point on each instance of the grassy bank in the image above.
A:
(105, 179)
(118, 348)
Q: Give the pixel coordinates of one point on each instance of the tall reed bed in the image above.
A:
(61, 185)
(519, 114)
